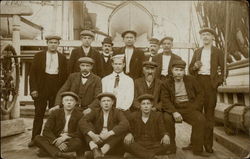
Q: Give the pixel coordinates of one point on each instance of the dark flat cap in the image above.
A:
(154, 41)
(49, 37)
(166, 38)
(86, 60)
(207, 29)
(106, 94)
(88, 33)
(107, 41)
(72, 94)
(129, 31)
(145, 96)
(179, 64)
(149, 64)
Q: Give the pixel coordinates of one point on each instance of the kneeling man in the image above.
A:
(147, 137)
(60, 134)
(104, 128)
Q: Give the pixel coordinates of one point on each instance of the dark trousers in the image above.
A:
(146, 149)
(196, 120)
(210, 99)
(170, 127)
(45, 97)
(74, 144)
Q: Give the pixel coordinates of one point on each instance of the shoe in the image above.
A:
(68, 155)
(202, 154)
(189, 147)
(209, 150)
(31, 143)
(88, 155)
(172, 150)
(97, 153)
(42, 153)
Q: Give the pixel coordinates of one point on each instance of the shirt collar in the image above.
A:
(85, 76)
(115, 74)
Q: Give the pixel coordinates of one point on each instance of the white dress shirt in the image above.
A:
(165, 64)
(52, 63)
(124, 92)
(105, 122)
(106, 56)
(66, 126)
(86, 50)
(84, 78)
(128, 56)
(205, 60)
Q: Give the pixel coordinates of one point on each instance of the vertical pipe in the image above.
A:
(189, 31)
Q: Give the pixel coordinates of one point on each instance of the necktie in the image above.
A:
(117, 78)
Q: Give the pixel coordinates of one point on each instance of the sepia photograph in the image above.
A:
(92, 79)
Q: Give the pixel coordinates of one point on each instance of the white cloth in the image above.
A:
(66, 126)
(84, 80)
(52, 63)
(128, 56)
(106, 57)
(144, 119)
(105, 122)
(165, 64)
(86, 50)
(124, 92)
(205, 60)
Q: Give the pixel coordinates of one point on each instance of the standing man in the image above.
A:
(47, 74)
(133, 56)
(154, 46)
(181, 96)
(207, 61)
(87, 37)
(165, 59)
(120, 84)
(85, 84)
(106, 54)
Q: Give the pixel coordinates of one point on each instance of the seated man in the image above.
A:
(147, 137)
(104, 128)
(60, 131)
(181, 96)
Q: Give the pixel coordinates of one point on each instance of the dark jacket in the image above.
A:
(136, 61)
(56, 122)
(73, 65)
(140, 89)
(106, 67)
(194, 92)
(37, 71)
(158, 59)
(87, 96)
(217, 60)
(154, 126)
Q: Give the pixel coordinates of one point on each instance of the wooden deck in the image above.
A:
(16, 146)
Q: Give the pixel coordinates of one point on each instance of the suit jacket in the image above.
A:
(94, 122)
(77, 53)
(37, 71)
(140, 89)
(154, 126)
(217, 60)
(91, 89)
(105, 66)
(136, 61)
(194, 92)
(158, 59)
(56, 122)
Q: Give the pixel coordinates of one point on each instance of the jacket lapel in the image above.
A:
(43, 62)
(72, 121)
(110, 120)
(61, 120)
(198, 57)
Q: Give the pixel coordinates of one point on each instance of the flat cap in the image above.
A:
(166, 38)
(129, 31)
(106, 94)
(118, 56)
(154, 41)
(179, 64)
(149, 64)
(207, 29)
(86, 60)
(49, 37)
(145, 96)
(107, 40)
(72, 94)
(88, 33)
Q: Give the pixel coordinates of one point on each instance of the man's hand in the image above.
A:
(106, 135)
(96, 138)
(34, 94)
(86, 111)
(53, 108)
(197, 65)
(58, 141)
(165, 140)
(63, 147)
(177, 117)
(129, 139)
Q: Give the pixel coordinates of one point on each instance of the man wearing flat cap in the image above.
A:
(154, 46)
(147, 135)
(60, 137)
(47, 74)
(165, 59)
(87, 37)
(106, 54)
(85, 84)
(207, 66)
(181, 97)
(133, 56)
(105, 127)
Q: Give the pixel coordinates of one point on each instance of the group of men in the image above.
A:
(100, 99)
